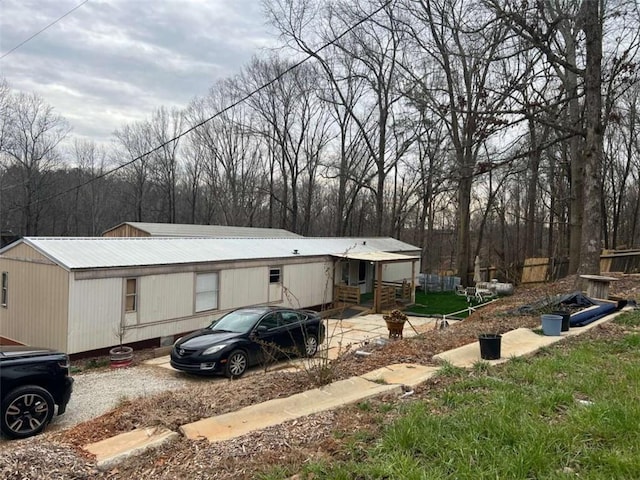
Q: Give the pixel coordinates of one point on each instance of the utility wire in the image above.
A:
(220, 112)
(42, 30)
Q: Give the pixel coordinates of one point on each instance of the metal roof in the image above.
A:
(105, 252)
(187, 230)
(384, 257)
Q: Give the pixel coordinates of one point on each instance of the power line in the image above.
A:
(42, 30)
(220, 112)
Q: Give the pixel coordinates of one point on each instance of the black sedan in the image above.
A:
(247, 337)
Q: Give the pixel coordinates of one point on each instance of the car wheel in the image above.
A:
(26, 411)
(310, 345)
(236, 364)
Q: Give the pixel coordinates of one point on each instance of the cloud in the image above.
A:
(115, 61)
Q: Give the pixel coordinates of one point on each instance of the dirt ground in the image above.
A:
(57, 454)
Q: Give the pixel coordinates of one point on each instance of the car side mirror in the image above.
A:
(260, 329)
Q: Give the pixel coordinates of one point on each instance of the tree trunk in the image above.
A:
(532, 192)
(577, 162)
(592, 219)
(464, 238)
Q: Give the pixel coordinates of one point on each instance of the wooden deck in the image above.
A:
(391, 293)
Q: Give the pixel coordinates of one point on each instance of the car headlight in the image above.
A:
(64, 364)
(214, 349)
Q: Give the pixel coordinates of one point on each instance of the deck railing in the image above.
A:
(401, 290)
(346, 294)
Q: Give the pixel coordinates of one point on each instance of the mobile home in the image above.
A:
(75, 294)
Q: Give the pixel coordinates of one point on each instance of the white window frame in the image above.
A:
(271, 275)
(128, 295)
(5, 289)
(206, 292)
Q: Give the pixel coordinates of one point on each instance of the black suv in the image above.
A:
(32, 382)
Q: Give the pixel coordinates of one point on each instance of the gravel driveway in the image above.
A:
(95, 393)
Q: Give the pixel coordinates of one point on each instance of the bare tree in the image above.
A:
(559, 30)
(462, 87)
(373, 47)
(231, 160)
(621, 160)
(5, 95)
(31, 147)
(133, 140)
(163, 127)
(91, 201)
(430, 171)
(194, 159)
(295, 130)
(350, 164)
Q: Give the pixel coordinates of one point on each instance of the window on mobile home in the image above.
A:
(5, 288)
(206, 291)
(275, 275)
(131, 295)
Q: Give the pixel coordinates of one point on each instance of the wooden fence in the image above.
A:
(627, 261)
(543, 269)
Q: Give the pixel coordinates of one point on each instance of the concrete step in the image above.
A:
(408, 374)
(112, 451)
(274, 412)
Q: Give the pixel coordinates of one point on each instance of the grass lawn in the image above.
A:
(572, 411)
(439, 303)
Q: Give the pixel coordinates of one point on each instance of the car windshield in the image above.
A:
(240, 321)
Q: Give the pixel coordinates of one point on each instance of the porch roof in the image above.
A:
(379, 256)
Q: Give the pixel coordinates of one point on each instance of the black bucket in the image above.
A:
(566, 319)
(490, 346)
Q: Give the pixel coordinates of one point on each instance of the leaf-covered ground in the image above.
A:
(57, 454)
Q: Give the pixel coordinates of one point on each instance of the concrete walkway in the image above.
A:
(392, 379)
(515, 343)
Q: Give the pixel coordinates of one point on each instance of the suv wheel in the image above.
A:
(26, 411)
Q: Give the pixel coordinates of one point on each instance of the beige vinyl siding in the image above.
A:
(95, 312)
(164, 307)
(163, 297)
(243, 286)
(125, 231)
(397, 272)
(25, 252)
(36, 311)
(275, 292)
(307, 285)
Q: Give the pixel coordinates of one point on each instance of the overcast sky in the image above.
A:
(113, 61)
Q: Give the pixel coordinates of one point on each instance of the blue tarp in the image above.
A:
(570, 301)
(591, 310)
(585, 317)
